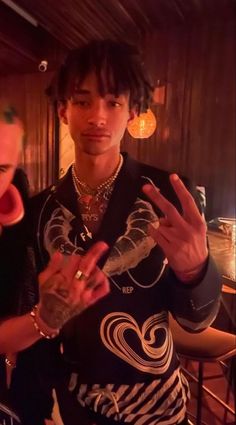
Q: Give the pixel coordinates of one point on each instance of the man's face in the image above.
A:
(96, 124)
(10, 145)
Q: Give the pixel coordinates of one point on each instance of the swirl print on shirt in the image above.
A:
(156, 356)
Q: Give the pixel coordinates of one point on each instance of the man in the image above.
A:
(19, 327)
(11, 211)
(119, 363)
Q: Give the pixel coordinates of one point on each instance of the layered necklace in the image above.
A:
(93, 201)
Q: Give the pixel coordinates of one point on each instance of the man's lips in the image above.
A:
(95, 134)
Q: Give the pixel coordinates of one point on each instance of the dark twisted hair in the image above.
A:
(118, 68)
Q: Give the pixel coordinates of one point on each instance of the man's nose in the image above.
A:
(98, 114)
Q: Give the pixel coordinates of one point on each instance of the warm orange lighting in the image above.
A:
(142, 126)
(159, 95)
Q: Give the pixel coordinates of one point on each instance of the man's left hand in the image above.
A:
(181, 237)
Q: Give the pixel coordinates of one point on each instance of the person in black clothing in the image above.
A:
(11, 211)
(20, 328)
(114, 362)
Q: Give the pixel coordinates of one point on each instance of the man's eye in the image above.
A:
(114, 103)
(82, 103)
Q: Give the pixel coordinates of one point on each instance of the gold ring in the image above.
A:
(79, 275)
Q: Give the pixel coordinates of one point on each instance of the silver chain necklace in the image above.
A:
(104, 185)
(87, 195)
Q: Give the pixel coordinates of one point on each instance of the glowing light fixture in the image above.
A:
(142, 126)
(20, 11)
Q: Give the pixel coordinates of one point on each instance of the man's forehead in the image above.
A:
(90, 83)
(103, 83)
(84, 91)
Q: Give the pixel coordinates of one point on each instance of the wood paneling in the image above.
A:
(196, 134)
(26, 93)
(22, 45)
(67, 24)
(196, 126)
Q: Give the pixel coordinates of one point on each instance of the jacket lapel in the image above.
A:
(127, 187)
(66, 195)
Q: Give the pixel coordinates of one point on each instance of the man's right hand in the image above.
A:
(69, 285)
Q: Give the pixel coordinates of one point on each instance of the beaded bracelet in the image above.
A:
(41, 333)
(9, 362)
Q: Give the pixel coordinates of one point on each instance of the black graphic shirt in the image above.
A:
(7, 416)
(120, 351)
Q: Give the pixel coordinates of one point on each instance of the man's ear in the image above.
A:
(132, 114)
(61, 110)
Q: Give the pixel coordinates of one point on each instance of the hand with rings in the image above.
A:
(71, 284)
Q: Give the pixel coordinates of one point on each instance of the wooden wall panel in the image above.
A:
(195, 128)
(26, 94)
(196, 134)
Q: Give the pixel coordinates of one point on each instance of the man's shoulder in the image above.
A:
(51, 192)
(134, 165)
(156, 172)
(161, 177)
(40, 197)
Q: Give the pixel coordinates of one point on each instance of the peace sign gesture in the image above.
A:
(181, 237)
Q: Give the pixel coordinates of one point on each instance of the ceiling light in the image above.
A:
(21, 12)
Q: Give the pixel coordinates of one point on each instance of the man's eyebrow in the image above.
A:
(87, 91)
(82, 91)
(6, 166)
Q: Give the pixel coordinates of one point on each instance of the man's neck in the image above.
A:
(95, 169)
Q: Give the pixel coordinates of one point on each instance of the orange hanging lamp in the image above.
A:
(143, 125)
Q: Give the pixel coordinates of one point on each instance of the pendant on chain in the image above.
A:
(86, 200)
